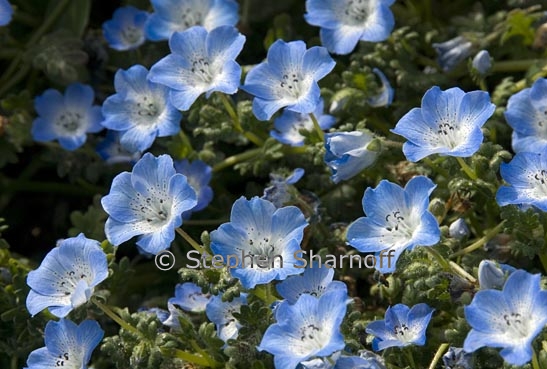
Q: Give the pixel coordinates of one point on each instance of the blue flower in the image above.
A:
(112, 152)
(308, 328)
(200, 62)
(222, 314)
(448, 123)
(397, 219)
(452, 52)
(316, 281)
(280, 190)
(457, 358)
(402, 326)
(493, 275)
(526, 115)
(289, 124)
(261, 241)
(347, 154)
(67, 276)
(190, 297)
(6, 12)
(125, 31)
(482, 62)
(385, 94)
(172, 16)
(458, 229)
(288, 78)
(66, 118)
(344, 23)
(67, 345)
(526, 175)
(140, 110)
(148, 202)
(198, 175)
(509, 319)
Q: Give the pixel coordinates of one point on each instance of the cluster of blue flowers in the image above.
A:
(160, 194)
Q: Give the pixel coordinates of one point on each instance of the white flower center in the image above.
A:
(313, 337)
(131, 34)
(356, 12)
(447, 134)
(403, 333)
(68, 123)
(201, 68)
(146, 111)
(292, 86)
(68, 360)
(156, 211)
(190, 17)
(516, 325)
(399, 226)
(538, 181)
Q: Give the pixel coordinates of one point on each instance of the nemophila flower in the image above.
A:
(344, 23)
(397, 219)
(279, 191)
(508, 319)
(526, 115)
(148, 202)
(452, 52)
(6, 12)
(288, 125)
(198, 175)
(288, 78)
(347, 154)
(112, 152)
(401, 327)
(67, 276)
(66, 118)
(190, 297)
(308, 328)
(385, 94)
(448, 123)
(457, 358)
(482, 62)
(222, 314)
(315, 281)
(140, 110)
(458, 229)
(493, 275)
(172, 16)
(125, 31)
(68, 345)
(259, 242)
(200, 62)
(526, 175)
(365, 360)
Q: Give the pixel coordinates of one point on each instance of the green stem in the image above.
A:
(187, 144)
(444, 263)
(13, 363)
(191, 358)
(535, 361)
(317, 127)
(480, 242)
(436, 168)
(450, 265)
(440, 351)
(238, 158)
(115, 317)
(392, 144)
(237, 124)
(410, 357)
(467, 169)
(196, 246)
(511, 66)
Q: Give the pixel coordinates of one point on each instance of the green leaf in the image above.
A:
(519, 24)
(76, 17)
